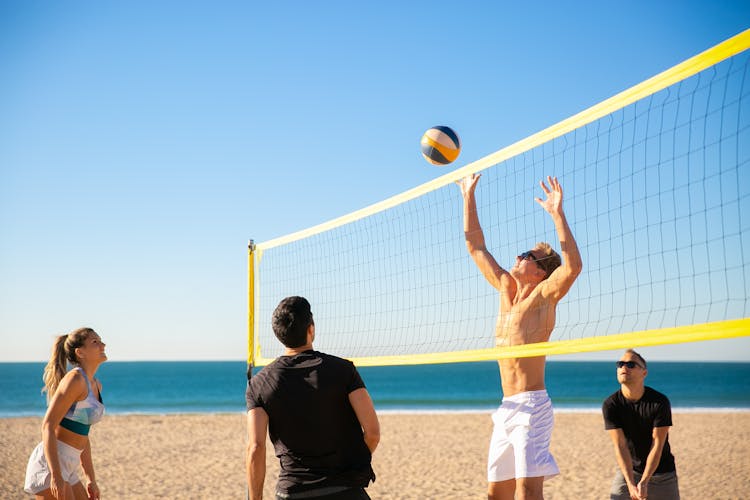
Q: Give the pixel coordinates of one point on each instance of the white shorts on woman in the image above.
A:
(38, 475)
(519, 446)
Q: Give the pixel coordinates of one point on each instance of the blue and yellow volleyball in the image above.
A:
(440, 145)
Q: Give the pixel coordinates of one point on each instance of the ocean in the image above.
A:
(219, 387)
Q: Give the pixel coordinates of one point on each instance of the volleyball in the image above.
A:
(440, 145)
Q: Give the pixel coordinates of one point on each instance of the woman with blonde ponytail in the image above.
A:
(74, 404)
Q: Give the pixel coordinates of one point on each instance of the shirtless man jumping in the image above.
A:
(519, 457)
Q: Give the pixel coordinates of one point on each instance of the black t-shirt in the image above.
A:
(637, 420)
(312, 425)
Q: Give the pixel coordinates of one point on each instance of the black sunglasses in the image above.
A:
(629, 364)
(528, 255)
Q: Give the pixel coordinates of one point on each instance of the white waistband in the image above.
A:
(527, 396)
(66, 448)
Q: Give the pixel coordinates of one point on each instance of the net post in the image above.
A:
(250, 308)
(250, 322)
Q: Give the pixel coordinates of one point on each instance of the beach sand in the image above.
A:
(420, 456)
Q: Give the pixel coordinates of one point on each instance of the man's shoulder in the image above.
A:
(309, 358)
(333, 360)
(612, 411)
(614, 398)
(263, 372)
(654, 395)
(274, 366)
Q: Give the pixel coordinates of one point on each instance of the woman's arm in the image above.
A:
(88, 469)
(72, 388)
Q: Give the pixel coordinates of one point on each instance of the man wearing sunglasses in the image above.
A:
(519, 457)
(638, 419)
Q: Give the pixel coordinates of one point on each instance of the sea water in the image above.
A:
(219, 387)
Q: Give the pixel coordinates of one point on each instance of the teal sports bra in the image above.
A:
(83, 414)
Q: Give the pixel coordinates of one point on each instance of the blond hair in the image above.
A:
(63, 352)
(551, 259)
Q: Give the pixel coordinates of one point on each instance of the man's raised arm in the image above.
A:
(496, 275)
(563, 277)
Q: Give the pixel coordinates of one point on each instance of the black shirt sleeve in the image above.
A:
(252, 398)
(663, 417)
(355, 380)
(612, 418)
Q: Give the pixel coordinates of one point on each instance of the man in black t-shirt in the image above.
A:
(317, 413)
(638, 419)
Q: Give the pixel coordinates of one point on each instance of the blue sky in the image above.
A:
(143, 143)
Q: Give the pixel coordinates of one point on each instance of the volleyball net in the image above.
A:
(657, 195)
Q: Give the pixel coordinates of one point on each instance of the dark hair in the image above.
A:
(631, 351)
(290, 321)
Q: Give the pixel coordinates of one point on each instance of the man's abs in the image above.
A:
(521, 375)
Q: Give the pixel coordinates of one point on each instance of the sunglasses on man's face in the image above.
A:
(528, 256)
(629, 364)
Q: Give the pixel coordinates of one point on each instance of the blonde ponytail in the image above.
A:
(63, 352)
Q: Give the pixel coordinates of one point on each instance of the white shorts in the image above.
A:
(38, 476)
(519, 446)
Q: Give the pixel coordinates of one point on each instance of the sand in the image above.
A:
(420, 456)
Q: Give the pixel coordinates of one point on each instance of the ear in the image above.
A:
(311, 333)
(78, 352)
(540, 273)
